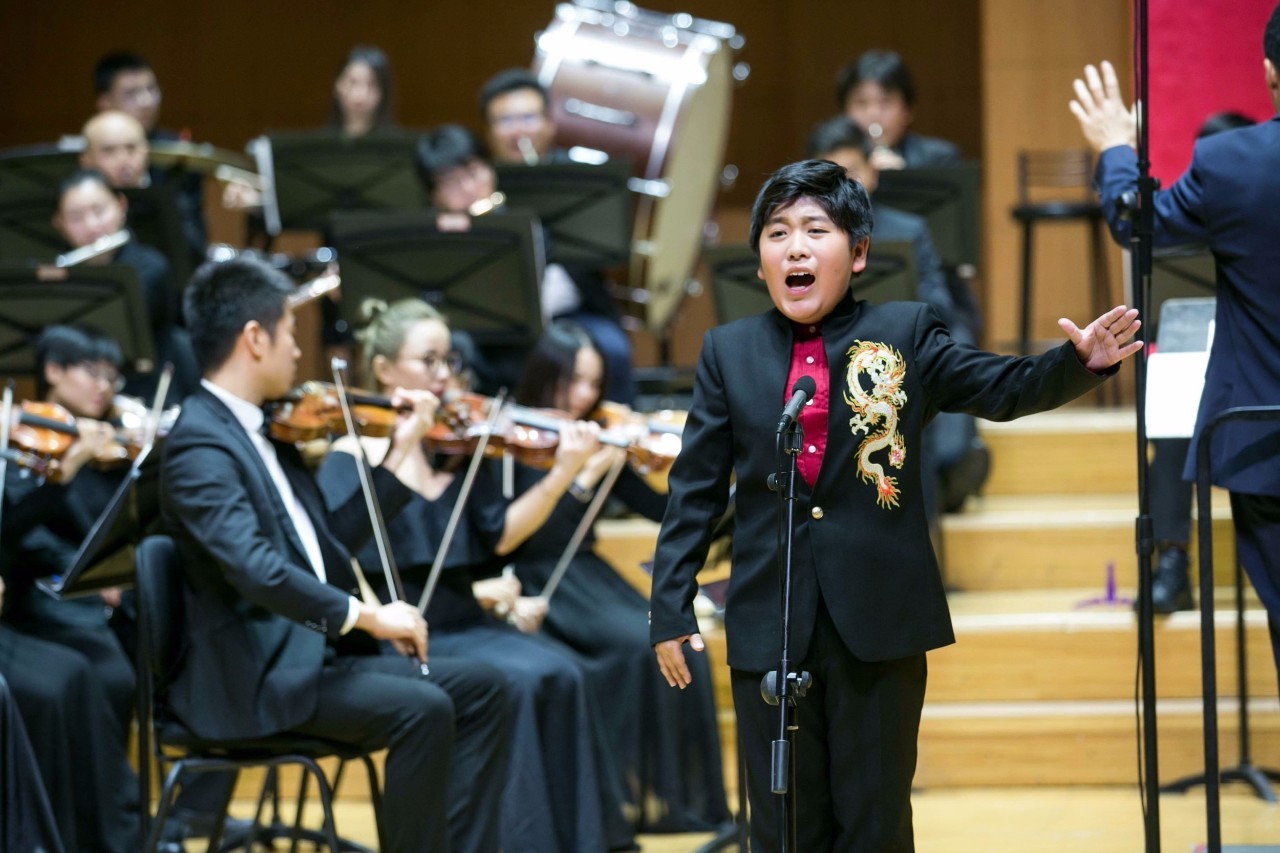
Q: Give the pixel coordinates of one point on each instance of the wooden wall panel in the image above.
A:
(1031, 51)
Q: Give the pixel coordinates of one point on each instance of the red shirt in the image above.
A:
(808, 358)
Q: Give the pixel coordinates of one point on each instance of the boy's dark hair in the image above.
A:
(1271, 38)
(73, 344)
(549, 367)
(833, 134)
(1218, 122)
(381, 68)
(876, 66)
(844, 199)
(78, 177)
(443, 148)
(222, 297)
(511, 80)
(114, 64)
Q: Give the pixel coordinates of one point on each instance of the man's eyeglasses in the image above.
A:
(452, 361)
(102, 373)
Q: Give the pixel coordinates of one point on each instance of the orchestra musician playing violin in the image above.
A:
(666, 744)
(553, 797)
(73, 728)
(279, 639)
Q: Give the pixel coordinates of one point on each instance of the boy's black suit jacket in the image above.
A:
(870, 560)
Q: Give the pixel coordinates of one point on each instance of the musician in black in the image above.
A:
(558, 794)
(666, 743)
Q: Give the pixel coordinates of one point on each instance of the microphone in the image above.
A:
(801, 393)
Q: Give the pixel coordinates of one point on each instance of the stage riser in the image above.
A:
(1072, 453)
(1093, 751)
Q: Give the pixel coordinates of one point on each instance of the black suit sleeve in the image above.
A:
(209, 500)
(699, 494)
(347, 514)
(962, 378)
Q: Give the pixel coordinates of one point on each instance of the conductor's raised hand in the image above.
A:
(671, 659)
(1106, 341)
(1104, 118)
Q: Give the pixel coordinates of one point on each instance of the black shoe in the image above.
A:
(965, 477)
(183, 823)
(1171, 586)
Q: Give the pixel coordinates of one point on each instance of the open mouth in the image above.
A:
(799, 280)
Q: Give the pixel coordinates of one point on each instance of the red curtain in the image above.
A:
(1206, 58)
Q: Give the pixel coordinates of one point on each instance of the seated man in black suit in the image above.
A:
(877, 93)
(958, 457)
(867, 601)
(279, 639)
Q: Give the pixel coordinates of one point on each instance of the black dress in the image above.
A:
(665, 742)
(71, 726)
(552, 801)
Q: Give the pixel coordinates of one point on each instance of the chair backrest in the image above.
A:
(158, 587)
(1072, 168)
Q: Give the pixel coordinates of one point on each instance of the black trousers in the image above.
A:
(447, 740)
(1257, 524)
(855, 751)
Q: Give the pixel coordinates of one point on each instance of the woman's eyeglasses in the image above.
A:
(452, 361)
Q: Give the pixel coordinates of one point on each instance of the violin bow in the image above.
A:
(597, 503)
(389, 569)
(446, 541)
(6, 416)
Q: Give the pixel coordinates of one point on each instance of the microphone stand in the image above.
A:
(1141, 242)
(783, 687)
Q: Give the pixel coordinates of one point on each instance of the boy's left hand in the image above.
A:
(1106, 341)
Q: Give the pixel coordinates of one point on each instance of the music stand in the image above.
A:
(29, 181)
(485, 279)
(948, 199)
(890, 276)
(105, 557)
(307, 176)
(587, 210)
(109, 297)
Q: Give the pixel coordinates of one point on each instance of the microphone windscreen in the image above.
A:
(807, 385)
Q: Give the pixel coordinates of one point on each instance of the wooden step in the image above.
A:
(1075, 743)
(1057, 541)
(1039, 645)
(1074, 451)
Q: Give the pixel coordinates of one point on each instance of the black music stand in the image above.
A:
(109, 297)
(890, 276)
(307, 176)
(29, 181)
(484, 279)
(948, 198)
(105, 557)
(1245, 771)
(587, 210)
(1182, 273)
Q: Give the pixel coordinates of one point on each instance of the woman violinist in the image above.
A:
(72, 678)
(666, 742)
(552, 801)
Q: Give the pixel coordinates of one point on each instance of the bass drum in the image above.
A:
(656, 90)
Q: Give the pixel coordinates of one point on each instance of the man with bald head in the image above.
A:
(115, 144)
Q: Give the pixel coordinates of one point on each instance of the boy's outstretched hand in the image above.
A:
(1107, 340)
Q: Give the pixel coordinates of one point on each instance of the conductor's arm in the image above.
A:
(699, 489)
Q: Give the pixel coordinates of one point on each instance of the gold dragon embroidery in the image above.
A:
(877, 406)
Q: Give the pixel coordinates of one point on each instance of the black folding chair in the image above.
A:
(161, 648)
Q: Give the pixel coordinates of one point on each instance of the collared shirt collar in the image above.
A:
(249, 415)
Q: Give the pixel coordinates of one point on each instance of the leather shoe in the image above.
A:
(1171, 586)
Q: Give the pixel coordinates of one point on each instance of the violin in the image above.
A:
(313, 410)
(43, 433)
(532, 435)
